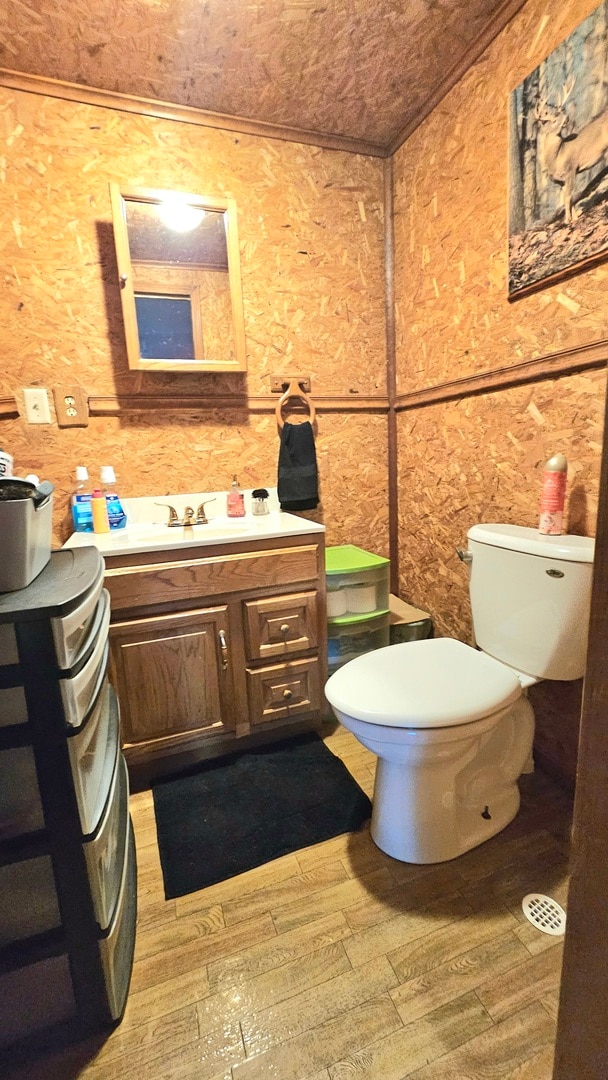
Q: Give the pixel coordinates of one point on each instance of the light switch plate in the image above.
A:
(36, 402)
(71, 406)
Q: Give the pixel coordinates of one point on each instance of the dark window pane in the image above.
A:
(165, 327)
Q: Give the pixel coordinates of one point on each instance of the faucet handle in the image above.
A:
(173, 518)
(201, 517)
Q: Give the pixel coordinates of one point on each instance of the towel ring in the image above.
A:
(294, 390)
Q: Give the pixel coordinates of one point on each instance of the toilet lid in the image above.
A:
(436, 682)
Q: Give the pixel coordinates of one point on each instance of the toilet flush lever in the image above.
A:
(464, 556)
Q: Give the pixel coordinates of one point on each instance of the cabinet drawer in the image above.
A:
(284, 690)
(116, 948)
(105, 853)
(93, 751)
(281, 625)
(70, 632)
(80, 691)
(171, 582)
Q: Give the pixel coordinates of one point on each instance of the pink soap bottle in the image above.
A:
(235, 503)
(553, 496)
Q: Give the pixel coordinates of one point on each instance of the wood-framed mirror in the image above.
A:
(180, 280)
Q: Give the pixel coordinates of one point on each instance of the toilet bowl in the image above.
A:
(452, 730)
(451, 725)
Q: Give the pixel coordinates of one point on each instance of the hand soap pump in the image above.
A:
(235, 503)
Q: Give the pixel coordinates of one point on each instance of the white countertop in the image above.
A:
(147, 528)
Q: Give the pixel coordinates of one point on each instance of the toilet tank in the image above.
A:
(530, 598)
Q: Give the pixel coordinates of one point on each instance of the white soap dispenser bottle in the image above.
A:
(116, 514)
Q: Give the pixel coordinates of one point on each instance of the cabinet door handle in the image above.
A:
(223, 649)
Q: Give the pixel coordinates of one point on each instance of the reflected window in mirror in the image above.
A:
(178, 265)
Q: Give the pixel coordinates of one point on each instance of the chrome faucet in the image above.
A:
(173, 518)
(188, 518)
(201, 517)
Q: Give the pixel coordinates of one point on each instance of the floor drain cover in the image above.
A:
(544, 913)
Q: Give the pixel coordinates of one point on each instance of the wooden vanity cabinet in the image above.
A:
(171, 675)
(212, 644)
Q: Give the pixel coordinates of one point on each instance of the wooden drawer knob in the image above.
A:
(287, 695)
(284, 628)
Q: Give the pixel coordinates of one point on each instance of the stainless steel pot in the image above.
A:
(26, 519)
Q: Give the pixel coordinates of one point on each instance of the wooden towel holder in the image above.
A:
(294, 390)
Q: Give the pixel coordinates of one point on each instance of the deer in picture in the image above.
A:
(564, 153)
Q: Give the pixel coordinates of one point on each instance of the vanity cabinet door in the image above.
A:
(173, 677)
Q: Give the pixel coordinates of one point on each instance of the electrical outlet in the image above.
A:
(37, 409)
(71, 406)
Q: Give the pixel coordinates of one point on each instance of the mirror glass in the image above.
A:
(178, 264)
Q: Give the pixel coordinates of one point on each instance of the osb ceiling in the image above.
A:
(367, 70)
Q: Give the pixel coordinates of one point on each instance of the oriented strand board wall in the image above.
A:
(311, 236)
(199, 451)
(480, 458)
(453, 318)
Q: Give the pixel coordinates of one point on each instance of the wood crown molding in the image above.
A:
(184, 114)
(553, 366)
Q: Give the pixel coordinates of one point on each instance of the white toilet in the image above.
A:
(452, 726)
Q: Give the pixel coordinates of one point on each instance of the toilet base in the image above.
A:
(441, 792)
(432, 832)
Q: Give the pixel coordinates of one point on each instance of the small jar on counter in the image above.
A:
(259, 501)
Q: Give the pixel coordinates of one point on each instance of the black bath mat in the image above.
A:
(246, 809)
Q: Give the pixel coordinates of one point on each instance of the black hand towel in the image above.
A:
(298, 482)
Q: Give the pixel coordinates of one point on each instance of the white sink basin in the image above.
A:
(152, 536)
(177, 534)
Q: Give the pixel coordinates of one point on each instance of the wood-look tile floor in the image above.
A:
(339, 963)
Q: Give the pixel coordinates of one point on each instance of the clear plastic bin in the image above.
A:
(357, 584)
(344, 643)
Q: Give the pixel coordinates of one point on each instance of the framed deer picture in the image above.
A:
(558, 161)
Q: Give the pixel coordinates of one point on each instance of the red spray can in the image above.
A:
(553, 496)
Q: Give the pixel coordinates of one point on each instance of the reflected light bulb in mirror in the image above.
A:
(179, 215)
